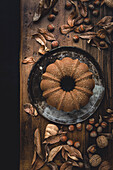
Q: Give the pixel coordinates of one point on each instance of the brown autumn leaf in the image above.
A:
(88, 35)
(83, 9)
(28, 108)
(52, 165)
(64, 29)
(79, 20)
(28, 60)
(43, 49)
(104, 21)
(52, 139)
(37, 142)
(48, 35)
(64, 154)
(53, 152)
(66, 166)
(71, 17)
(39, 38)
(73, 157)
(109, 27)
(88, 27)
(47, 150)
(39, 163)
(34, 156)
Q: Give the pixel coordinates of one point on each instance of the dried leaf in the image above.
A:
(71, 17)
(51, 130)
(54, 152)
(28, 60)
(100, 119)
(73, 157)
(52, 139)
(64, 29)
(104, 21)
(66, 166)
(64, 154)
(43, 49)
(79, 20)
(39, 163)
(88, 35)
(83, 9)
(53, 166)
(34, 157)
(48, 36)
(47, 151)
(88, 27)
(39, 38)
(37, 142)
(28, 108)
(109, 27)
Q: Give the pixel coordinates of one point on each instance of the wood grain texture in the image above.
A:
(29, 47)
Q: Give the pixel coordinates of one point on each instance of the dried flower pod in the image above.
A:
(55, 11)
(87, 21)
(79, 126)
(80, 164)
(76, 38)
(95, 160)
(77, 144)
(91, 149)
(92, 121)
(96, 125)
(103, 124)
(54, 44)
(51, 17)
(91, 7)
(70, 142)
(105, 165)
(99, 129)
(71, 128)
(97, 2)
(89, 127)
(93, 134)
(102, 141)
(95, 12)
(51, 130)
(109, 111)
(63, 138)
(50, 27)
(68, 5)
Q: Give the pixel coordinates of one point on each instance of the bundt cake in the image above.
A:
(67, 84)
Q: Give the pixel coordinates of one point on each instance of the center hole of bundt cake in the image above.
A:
(67, 83)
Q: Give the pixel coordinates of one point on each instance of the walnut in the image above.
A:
(104, 166)
(95, 160)
(102, 141)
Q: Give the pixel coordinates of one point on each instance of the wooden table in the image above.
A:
(29, 47)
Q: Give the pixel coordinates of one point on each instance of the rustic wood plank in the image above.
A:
(29, 47)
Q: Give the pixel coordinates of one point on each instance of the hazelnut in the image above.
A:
(79, 126)
(96, 125)
(96, 12)
(50, 27)
(95, 160)
(96, 2)
(105, 165)
(89, 127)
(54, 44)
(71, 128)
(87, 21)
(91, 149)
(91, 6)
(63, 138)
(76, 38)
(80, 164)
(77, 144)
(68, 5)
(103, 124)
(99, 129)
(92, 121)
(70, 142)
(81, 28)
(102, 141)
(51, 17)
(93, 134)
(55, 11)
(102, 43)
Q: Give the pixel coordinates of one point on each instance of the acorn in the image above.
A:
(70, 142)
(77, 144)
(75, 38)
(87, 21)
(50, 27)
(63, 138)
(93, 134)
(103, 124)
(91, 121)
(81, 28)
(54, 44)
(96, 2)
(71, 128)
(68, 5)
(91, 149)
(99, 129)
(79, 126)
(55, 11)
(51, 17)
(95, 12)
(91, 7)
(89, 127)
(102, 43)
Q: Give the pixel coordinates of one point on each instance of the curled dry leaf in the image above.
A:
(28, 60)
(53, 166)
(51, 130)
(54, 152)
(109, 27)
(65, 29)
(88, 35)
(43, 49)
(88, 27)
(71, 19)
(39, 163)
(66, 166)
(34, 156)
(64, 154)
(83, 9)
(47, 150)
(47, 35)
(52, 139)
(79, 20)
(28, 108)
(39, 38)
(73, 157)
(104, 21)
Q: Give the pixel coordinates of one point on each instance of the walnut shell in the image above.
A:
(109, 3)
(95, 160)
(104, 166)
(102, 141)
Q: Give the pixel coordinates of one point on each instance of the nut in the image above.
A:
(96, 124)
(68, 5)
(89, 127)
(51, 17)
(99, 129)
(50, 27)
(76, 38)
(93, 134)
(63, 138)
(95, 160)
(54, 44)
(91, 149)
(55, 11)
(80, 164)
(77, 144)
(102, 141)
(105, 166)
(87, 21)
(81, 28)
(92, 121)
(103, 124)
(71, 128)
(96, 2)
(70, 142)
(102, 43)
(91, 6)
(96, 12)
(79, 126)
(109, 111)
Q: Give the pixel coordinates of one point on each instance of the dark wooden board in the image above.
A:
(29, 47)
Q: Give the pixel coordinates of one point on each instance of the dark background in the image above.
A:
(9, 82)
